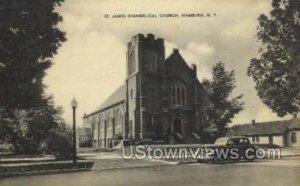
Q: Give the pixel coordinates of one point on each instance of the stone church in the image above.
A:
(161, 99)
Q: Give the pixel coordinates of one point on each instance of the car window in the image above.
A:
(230, 142)
(221, 141)
(243, 141)
(246, 141)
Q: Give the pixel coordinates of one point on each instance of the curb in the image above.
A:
(42, 172)
(165, 161)
(139, 167)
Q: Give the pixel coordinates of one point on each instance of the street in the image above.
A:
(264, 172)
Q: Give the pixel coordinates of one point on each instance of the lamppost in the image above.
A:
(74, 105)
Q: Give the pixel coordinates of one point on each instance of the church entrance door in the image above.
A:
(177, 125)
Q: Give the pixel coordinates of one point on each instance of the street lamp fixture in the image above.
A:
(74, 105)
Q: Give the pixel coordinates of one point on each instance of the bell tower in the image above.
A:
(145, 74)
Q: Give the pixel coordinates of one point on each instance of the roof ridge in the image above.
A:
(264, 122)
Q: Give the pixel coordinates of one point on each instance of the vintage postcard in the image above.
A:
(161, 92)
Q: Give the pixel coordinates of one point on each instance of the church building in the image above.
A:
(161, 99)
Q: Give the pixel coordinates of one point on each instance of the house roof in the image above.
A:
(295, 124)
(262, 128)
(84, 131)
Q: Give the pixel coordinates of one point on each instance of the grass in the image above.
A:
(43, 167)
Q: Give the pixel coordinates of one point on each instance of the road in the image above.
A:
(271, 172)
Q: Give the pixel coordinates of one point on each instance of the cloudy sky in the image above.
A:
(91, 64)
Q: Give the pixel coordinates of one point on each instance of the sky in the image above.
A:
(91, 64)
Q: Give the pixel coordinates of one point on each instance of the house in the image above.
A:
(284, 133)
(161, 98)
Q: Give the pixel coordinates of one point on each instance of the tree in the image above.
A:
(277, 71)
(223, 107)
(29, 130)
(29, 37)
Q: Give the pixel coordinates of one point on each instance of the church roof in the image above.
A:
(117, 96)
(175, 57)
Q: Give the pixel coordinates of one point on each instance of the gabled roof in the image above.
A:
(263, 128)
(117, 96)
(295, 124)
(176, 57)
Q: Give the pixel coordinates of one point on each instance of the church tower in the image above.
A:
(144, 85)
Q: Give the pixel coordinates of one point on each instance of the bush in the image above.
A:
(60, 146)
(6, 147)
(118, 136)
(29, 129)
(60, 143)
(88, 143)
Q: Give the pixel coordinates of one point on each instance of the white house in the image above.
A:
(284, 133)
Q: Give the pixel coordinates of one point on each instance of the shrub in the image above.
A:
(60, 143)
(87, 143)
(118, 136)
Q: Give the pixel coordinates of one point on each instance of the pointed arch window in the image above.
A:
(173, 96)
(178, 93)
(183, 97)
(178, 102)
(131, 63)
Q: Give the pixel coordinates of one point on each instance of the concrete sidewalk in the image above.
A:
(114, 160)
(105, 164)
(100, 155)
(286, 152)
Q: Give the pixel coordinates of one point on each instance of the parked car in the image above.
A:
(228, 148)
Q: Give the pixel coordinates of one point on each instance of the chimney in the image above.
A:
(253, 122)
(175, 50)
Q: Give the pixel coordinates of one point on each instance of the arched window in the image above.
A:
(173, 97)
(178, 96)
(131, 62)
(178, 93)
(117, 120)
(183, 95)
(169, 94)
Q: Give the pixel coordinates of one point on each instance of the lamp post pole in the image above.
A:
(74, 105)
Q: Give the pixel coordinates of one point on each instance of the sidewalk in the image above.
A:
(287, 152)
(114, 160)
(105, 164)
(89, 160)
(102, 161)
